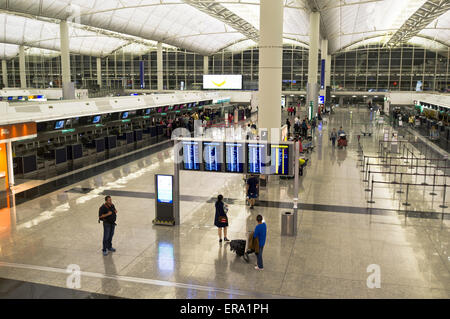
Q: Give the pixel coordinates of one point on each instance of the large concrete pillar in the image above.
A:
(22, 72)
(270, 67)
(68, 86)
(313, 87)
(323, 69)
(205, 64)
(99, 72)
(4, 74)
(159, 66)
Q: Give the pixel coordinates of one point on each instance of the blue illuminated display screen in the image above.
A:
(59, 124)
(321, 99)
(257, 157)
(191, 155)
(279, 160)
(165, 189)
(147, 111)
(96, 119)
(213, 156)
(234, 154)
(124, 115)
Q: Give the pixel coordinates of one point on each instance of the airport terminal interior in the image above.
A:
(338, 110)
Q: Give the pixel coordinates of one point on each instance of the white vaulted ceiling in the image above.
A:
(100, 27)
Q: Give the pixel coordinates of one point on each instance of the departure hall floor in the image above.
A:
(339, 235)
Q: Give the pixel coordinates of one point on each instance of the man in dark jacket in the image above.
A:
(108, 213)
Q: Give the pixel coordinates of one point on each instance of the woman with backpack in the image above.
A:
(221, 218)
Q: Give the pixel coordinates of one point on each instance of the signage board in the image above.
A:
(224, 81)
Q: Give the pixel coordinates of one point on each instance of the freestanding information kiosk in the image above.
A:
(164, 201)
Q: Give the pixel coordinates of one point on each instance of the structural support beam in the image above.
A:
(99, 72)
(427, 13)
(22, 72)
(68, 86)
(313, 87)
(159, 66)
(205, 64)
(4, 74)
(270, 67)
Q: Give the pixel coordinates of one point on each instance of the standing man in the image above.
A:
(260, 233)
(333, 137)
(252, 190)
(108, 213)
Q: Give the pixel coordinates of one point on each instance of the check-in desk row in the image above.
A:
(30, 162)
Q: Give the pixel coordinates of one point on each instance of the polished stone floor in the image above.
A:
(340, 236)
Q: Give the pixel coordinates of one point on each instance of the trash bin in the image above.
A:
(289, 223)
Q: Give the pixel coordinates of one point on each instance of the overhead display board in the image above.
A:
(242, 157)
(224, 81)
(257, 158)
(235, 157)
(280, 159)
(191, 155)
(213, 156)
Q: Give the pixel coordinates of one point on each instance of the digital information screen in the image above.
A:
(257, 158)
(213, 156)
(164, 189)
(234, 157)
(191, 155)
(279, 159)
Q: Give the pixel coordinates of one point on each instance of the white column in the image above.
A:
(205, 64)
(23, 76)
(9, 156)
(4, 74)
(159, 66)
(99, 72)
(323, 57)
(68, 86)
(270, 67)
(312, 89)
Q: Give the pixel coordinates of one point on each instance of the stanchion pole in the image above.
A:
(368, 179)
(443, 197)
(425, 177)
(395, 174)
(400, 191)
(407, 194)
(371, 201)
(434, 184)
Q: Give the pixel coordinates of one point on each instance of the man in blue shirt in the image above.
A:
(260, 233)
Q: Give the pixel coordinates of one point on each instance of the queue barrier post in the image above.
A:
(371, 201)
(432, 193)
(407, 194)
(368, 186)
(443, 197)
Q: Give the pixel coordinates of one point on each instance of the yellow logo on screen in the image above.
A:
(219, 84)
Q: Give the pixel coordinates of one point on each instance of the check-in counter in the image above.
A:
(110, 142)
(24, 164)
(127, 137)
(99, 144)
(137, 134)
(74, 151)
(60, 155)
